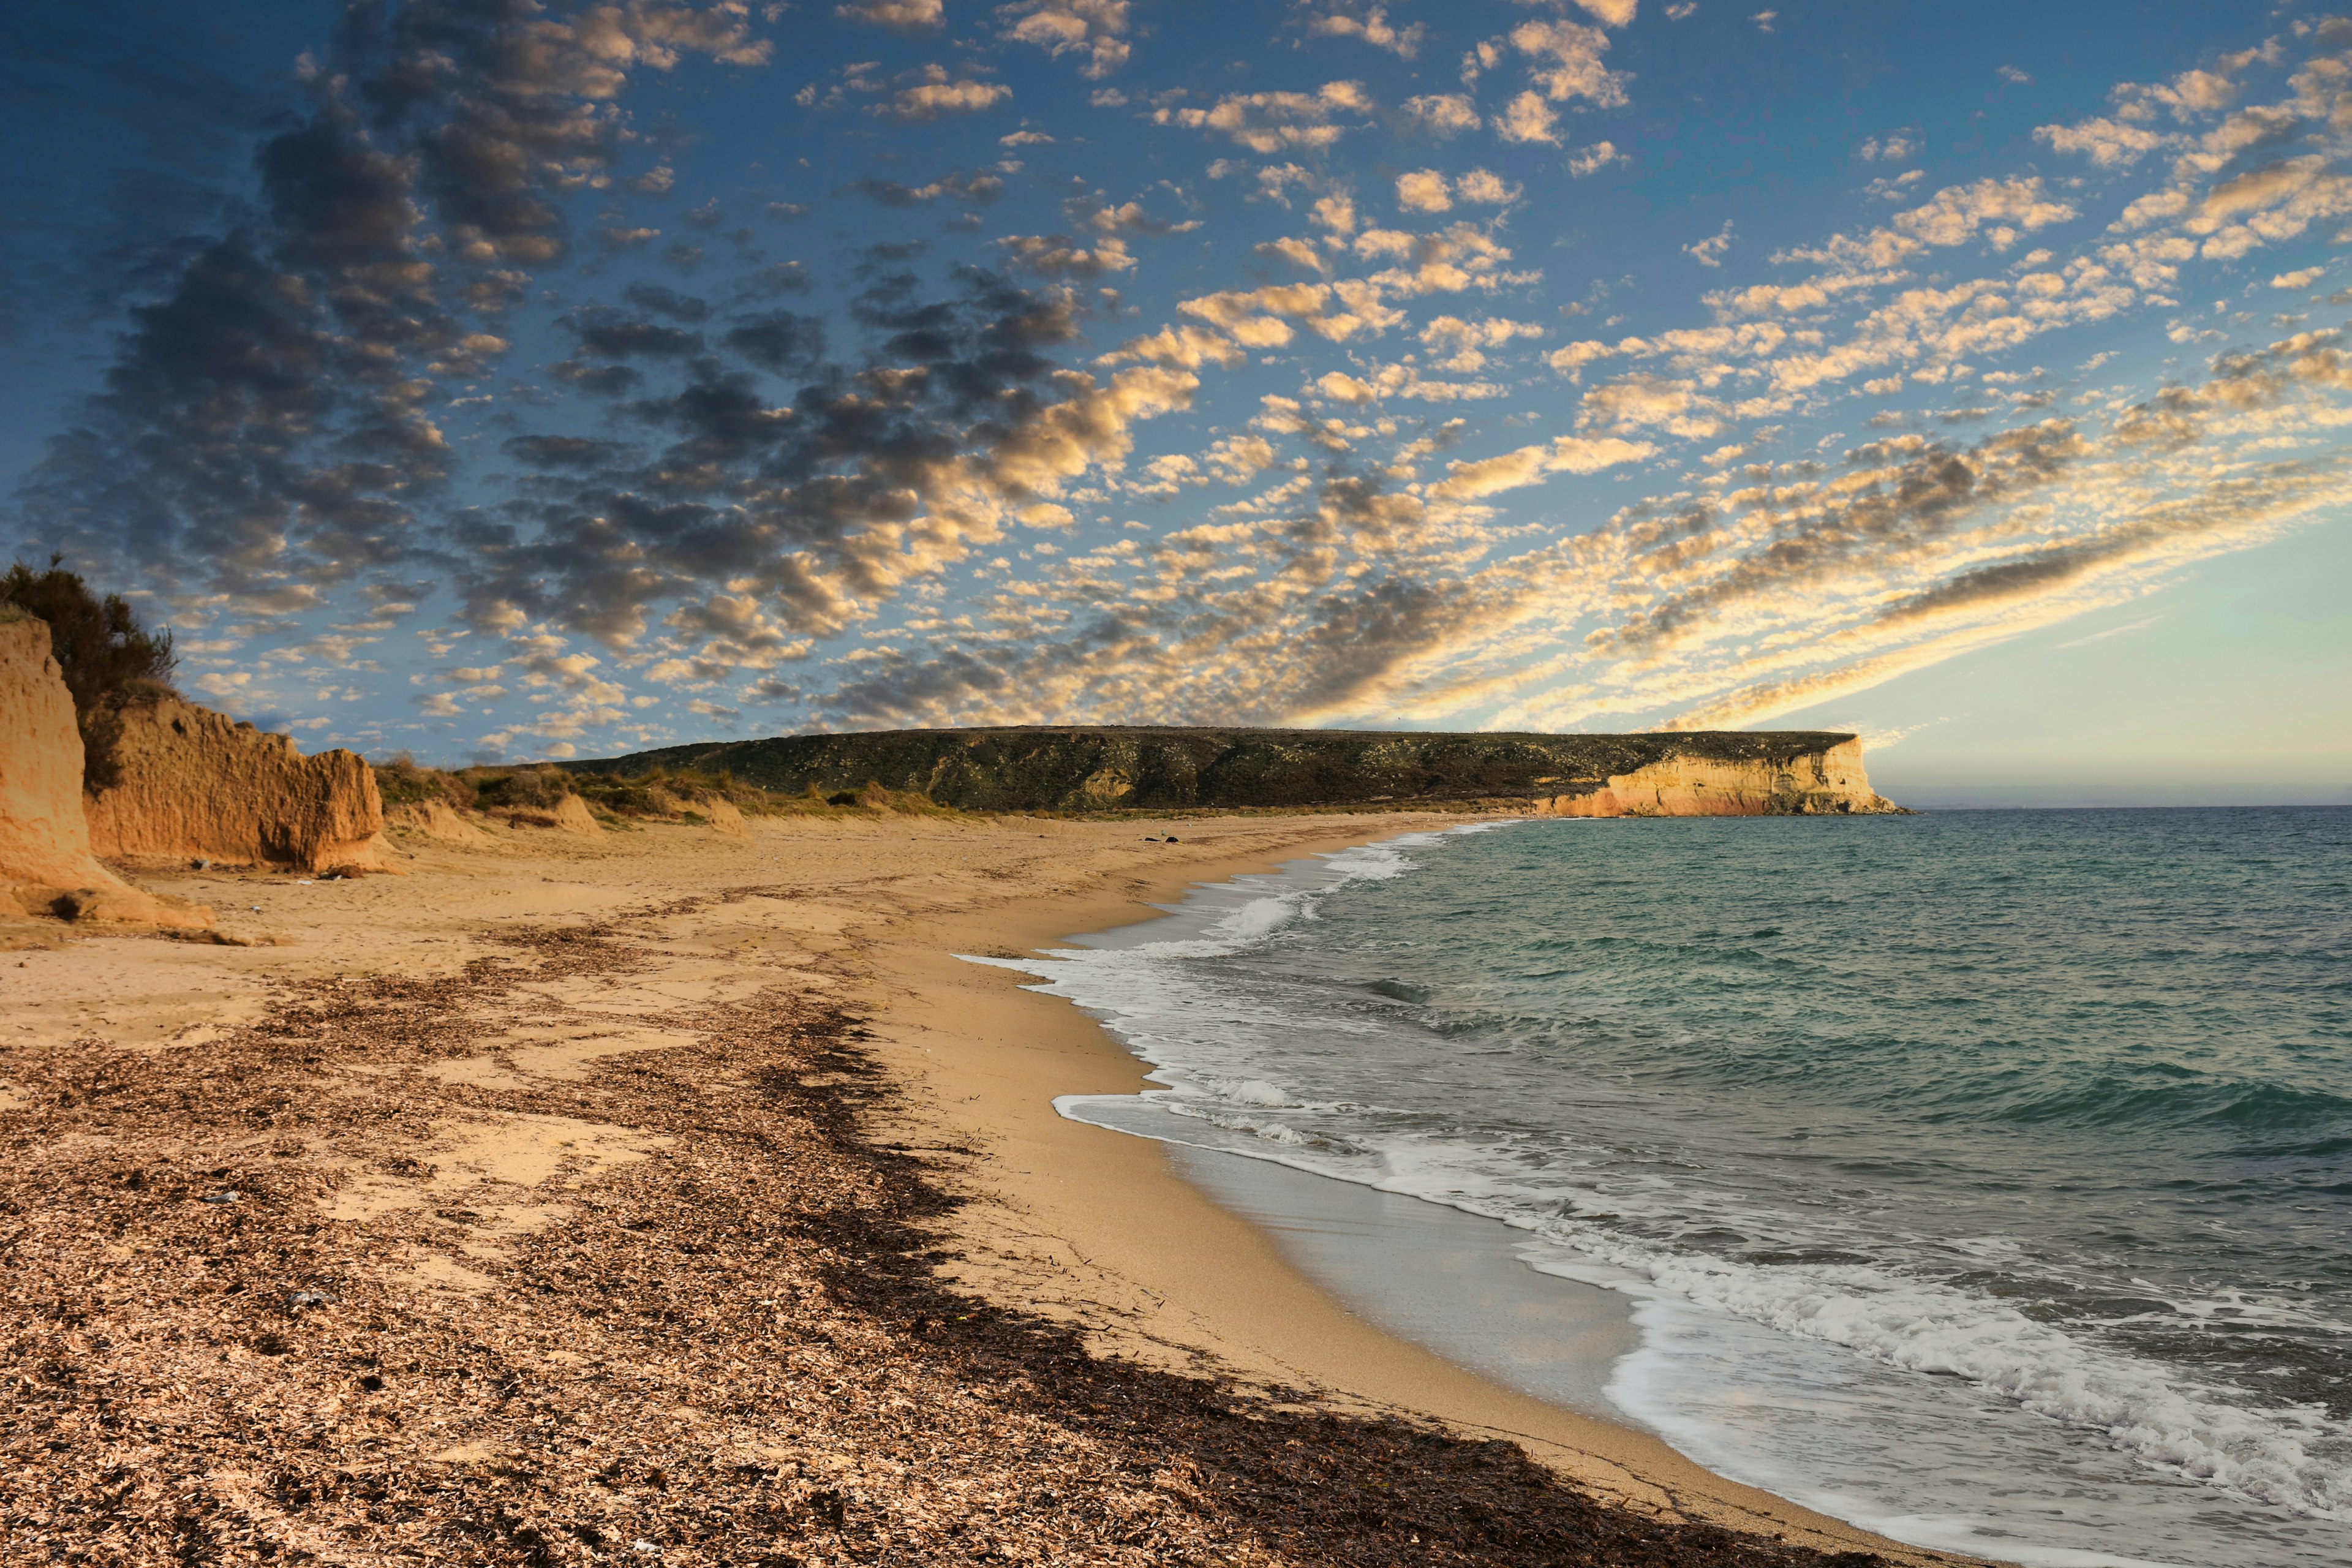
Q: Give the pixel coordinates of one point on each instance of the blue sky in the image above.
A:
(496, 381)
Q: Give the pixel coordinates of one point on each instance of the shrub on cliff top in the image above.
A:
(401, 782)
(532, 788)
(108, 659)
(107, 656)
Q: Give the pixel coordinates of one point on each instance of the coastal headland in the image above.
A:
(1725, 773)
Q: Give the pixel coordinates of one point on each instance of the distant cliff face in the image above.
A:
(1812, 784)
(191, 782)
(1725, 773)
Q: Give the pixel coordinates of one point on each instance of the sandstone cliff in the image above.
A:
(47, 866)
(1818, 783)
(194, 784)
(1093, 768)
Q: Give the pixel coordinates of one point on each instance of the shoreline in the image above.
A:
(678, 1192)
(1105, 1228)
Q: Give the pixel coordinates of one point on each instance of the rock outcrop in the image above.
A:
(1096, 768)
(47, 864)
(1827, 781)
(192, 783)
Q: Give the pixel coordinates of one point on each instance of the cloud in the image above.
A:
(1465, 343)
(1532, 465)
(1261, 318)
(1633, 402)
(1441, 114)
(1094, 29)
(1527, 118)
(916, 490)
(1710, 251)
(1300, 253)
(1059, 256)
(779, 340)
(1372, 27)
(975, 189)
(1422, 191)
(1593, 159)
(899, 15)
(1268, 122)
(1566, 62)
(1998, 210)
(266, 431)
(2107, 143)
(1484, 187)
(1335, 212)
(929, 100)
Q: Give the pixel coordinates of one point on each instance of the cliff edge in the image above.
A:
(1809, 783)
(1107, 767)
(46, 865)
(191, 782)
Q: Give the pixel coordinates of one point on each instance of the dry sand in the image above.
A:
(457, 1106)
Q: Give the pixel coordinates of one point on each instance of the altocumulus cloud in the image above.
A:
(1265, 401)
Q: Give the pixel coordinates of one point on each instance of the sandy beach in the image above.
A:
(678, 1195)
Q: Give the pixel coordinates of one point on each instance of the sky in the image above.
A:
(496, 381)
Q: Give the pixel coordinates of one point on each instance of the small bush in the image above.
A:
(402, 782)
(524, 788)
(663, 793)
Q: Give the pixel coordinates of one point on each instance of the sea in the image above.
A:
(1980, 1178)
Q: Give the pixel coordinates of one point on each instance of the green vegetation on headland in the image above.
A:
(656, 792)
(1096, 768)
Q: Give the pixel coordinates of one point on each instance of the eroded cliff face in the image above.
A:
(195, 783)
(1828, 781)
(47, 864)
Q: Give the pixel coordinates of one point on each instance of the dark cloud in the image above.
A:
(1985, 584)
(1910, 494)
(795, 505)
(608, 334)
(1361, 635)
(779, 340)
(661, 301)
(770, 282)
(565, 451)
(606, 379)
(977, 189)
(263, 430)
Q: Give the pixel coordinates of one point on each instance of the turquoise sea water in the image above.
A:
(1982, 1177)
